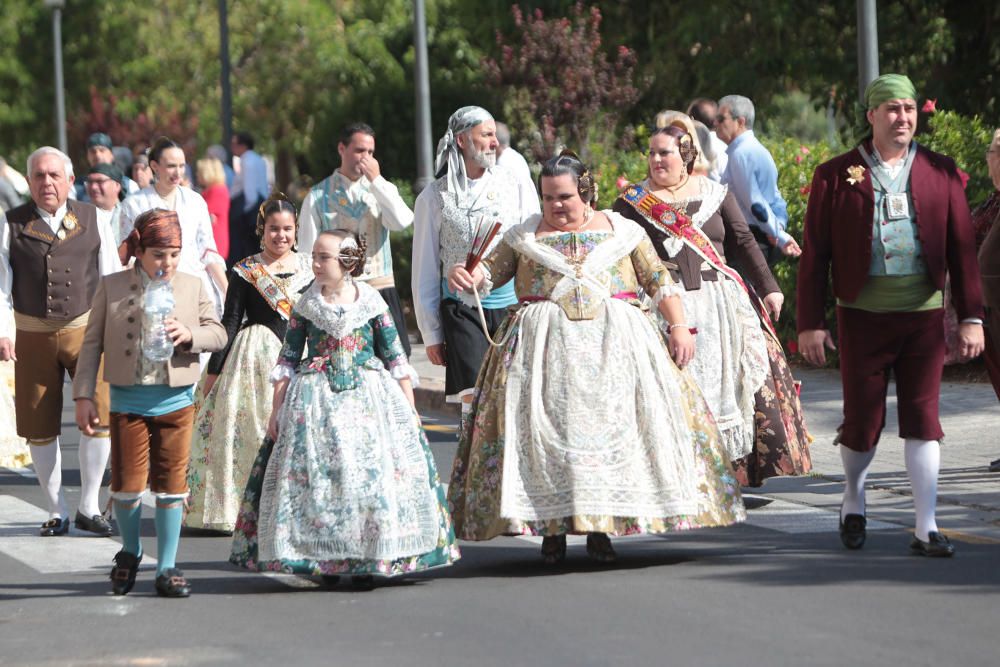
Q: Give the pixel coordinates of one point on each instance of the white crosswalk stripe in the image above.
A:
(76, 552)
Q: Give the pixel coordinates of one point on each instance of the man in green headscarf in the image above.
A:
(890, 219)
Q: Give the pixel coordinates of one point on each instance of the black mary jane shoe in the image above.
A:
(853, 531)
(54, 527)
(363, 582)
(599, 548)
(936, 546)
(124, 571)
(554, 549)
(172, 584)
(96, 524)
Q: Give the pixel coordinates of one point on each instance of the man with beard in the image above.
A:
(470, 188)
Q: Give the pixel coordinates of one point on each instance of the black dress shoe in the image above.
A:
(172, 584)
(936, 546)
(852, 531)
(363, 582)
(54, 527)
(96, 524)
(124, 571)
(995, 465)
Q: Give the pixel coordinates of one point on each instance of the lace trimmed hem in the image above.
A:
(405, 370)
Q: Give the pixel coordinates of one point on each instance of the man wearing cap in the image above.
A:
(100, 151)
(53, 253)
(890, 219)
(104, 186)
(357, 198)
(446, 219)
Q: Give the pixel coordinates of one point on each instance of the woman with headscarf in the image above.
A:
(697, 228)
(232, 420)
(581, 422)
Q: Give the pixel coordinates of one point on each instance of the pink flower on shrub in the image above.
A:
(799, 159)
(930, 106)
(804, 150)
(965, 178)
(621, 183)
(793, 346)
(805, 189)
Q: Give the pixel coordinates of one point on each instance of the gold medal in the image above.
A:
(61, 234)
(69, 221)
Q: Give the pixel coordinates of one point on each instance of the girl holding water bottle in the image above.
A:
(151, 323)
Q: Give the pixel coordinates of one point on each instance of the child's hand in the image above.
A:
(86, 416)
(178, 333)
(272, 426)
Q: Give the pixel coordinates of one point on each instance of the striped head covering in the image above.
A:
(448, 152)
(156, 228)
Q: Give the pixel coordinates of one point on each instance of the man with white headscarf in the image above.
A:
(447, 216)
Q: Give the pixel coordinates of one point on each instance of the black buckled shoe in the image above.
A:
(124, 571)
(363, 582)
(172, 584)
(54, 527)
(853, 531)
(936, 546)
(96, 524)
(554, 549)
(599, 548)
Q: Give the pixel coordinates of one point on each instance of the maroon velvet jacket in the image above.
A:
(838, 231)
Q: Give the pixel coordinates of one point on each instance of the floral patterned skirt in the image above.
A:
(350, 487)
(782, 443)
(564, 452)
(14, 451)
(230, 425)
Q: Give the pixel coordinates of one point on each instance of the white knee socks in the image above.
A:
(856, 466)
(923, 461)
(47, 460)
(94, 452)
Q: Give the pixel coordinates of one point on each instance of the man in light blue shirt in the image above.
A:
(250, 189)
(752, 177)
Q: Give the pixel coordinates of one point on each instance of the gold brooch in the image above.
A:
(491, 195)
(61, 234)
(855, 174)
(69, 221)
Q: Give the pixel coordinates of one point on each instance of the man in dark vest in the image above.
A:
(53, 253)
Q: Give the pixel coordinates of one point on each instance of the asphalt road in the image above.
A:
(778, 590)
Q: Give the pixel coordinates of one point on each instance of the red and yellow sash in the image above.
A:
(670, 220)
(254, 273)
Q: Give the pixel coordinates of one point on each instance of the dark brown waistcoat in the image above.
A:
(54, 278)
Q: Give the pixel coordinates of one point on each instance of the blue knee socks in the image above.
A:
(129, 515)
(169, 513)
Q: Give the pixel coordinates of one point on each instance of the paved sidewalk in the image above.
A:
(969, 496)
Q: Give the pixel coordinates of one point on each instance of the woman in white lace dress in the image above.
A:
(696, 227)
(581, 422)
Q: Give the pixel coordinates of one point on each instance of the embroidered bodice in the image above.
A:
(342, 340)
(255, 297)
(580, 271)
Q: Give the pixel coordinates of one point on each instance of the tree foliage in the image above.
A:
(558, 82)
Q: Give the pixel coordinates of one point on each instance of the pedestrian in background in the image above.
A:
(212, 181)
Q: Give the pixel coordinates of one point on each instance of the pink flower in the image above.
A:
(793, 346)
(805, 189)
(799, 159)
(621, 183)
(965, 178)
(930, 106)
(804, 150)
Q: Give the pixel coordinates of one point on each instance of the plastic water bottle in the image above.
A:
(158, 303)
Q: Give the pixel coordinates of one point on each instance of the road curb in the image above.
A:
(430, 396)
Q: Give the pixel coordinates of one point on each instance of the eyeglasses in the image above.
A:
(100, 182)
